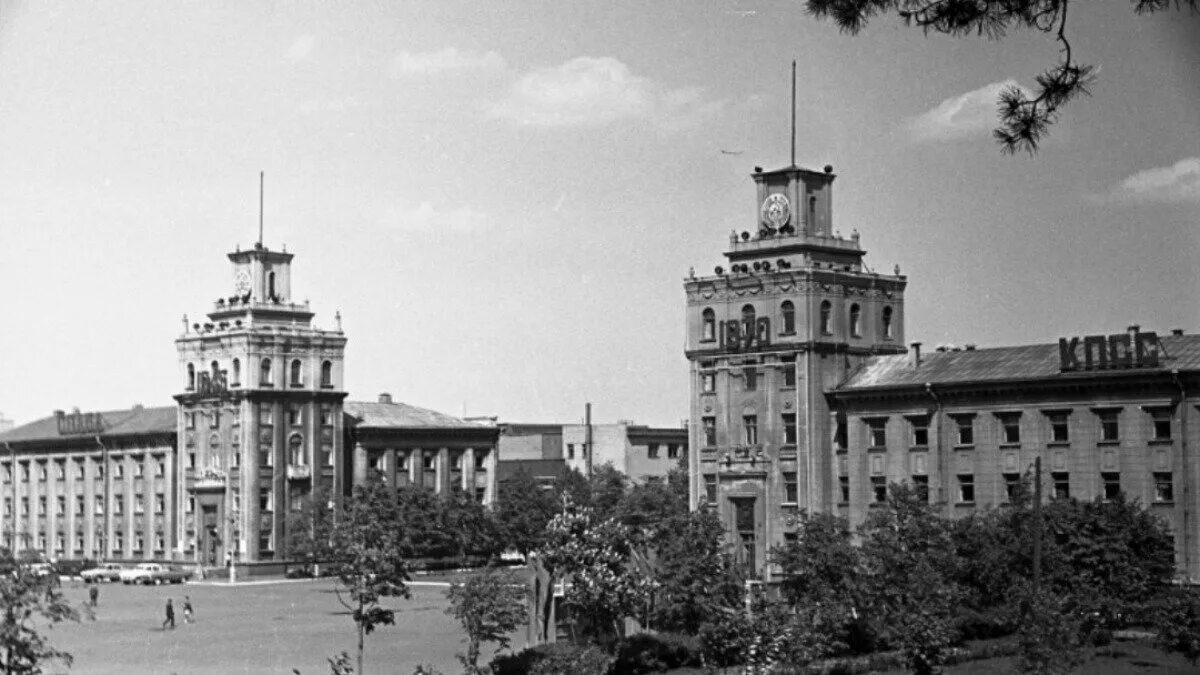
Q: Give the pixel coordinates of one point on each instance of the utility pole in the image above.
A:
(1037, 524)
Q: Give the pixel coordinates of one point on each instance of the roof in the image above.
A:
(402, 415)
(1027, 362)
(127, 422)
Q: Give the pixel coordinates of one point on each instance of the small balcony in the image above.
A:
(299, 472)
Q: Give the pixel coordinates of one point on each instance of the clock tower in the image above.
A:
(792, 312)
(260, 415)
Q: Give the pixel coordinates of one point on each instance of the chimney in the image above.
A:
(1133, 334)
(1176, 332)
(385, 398)
(915, 354)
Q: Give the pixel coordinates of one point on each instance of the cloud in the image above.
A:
(301, 48)
(596, 91)
(1173, 184)
(963, 116)
(427, 218)
(446, 60)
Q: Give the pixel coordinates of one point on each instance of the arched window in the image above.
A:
(748, 315)
(191, 378)
(264, 374)
(812, 215)
(296, 450)
(709, 331)
(327, 374)
(216, 371)
(295, 373)
(214, 450)
(826, 311)
(788, 310)
(887, 323)
(271, 286)
(855, 320)
(237, 372)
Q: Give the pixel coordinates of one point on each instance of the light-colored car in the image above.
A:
(102, 572)
(154, 573)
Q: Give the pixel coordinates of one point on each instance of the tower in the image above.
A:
(793, 314)
(260, 416)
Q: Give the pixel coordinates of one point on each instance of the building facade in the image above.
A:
(640, 452)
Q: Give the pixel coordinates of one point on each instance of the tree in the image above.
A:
(371, 565)
(1177, 624)
(310, 530)
(1025, 119)
(523, 510)
(29, 602)
(607, 488)
(489, 605)
(695, 579)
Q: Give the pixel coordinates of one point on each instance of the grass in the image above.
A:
(273, 628)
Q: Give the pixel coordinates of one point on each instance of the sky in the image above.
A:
(502, 199)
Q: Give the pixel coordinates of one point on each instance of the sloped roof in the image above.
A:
(402, 415)
(130, 421)
(1027, 362)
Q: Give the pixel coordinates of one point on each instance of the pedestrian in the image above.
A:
(170, 616)
(187, 609)
(94, 594)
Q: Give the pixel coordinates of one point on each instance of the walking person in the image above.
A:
(94, 594)
(187, 609)
(170, 616)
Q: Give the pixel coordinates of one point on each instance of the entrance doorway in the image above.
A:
(744, 529)
(210, 547)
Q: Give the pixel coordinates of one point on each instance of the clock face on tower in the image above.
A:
(776, 210)
(241, 283)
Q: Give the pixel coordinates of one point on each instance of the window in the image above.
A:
(191, 377)
(264, 373)
(672, 451)
(652, 451)
(879, 489)
(920, 431)
(327, 374)
(844, 488)
(480, 460)
(79, 543)
(118, 504)
(1062, 484)
(710, 488)
(791, 487)
(751, 373)
(25, 472)
(8, 507)
(138, 541)
(42, 471)
(139, 504)
(265, 501)
(570, 451)
(748, 316)
(709, 425)
(189, 420)
(788, 312)
(966, 429)
(789, 370)
(214, 420)
(191, 504)
(24, 506)
(99, 506)
(8, 473)
(1112, 484)
(750, 426)
(826, 313)
(1162, 424)
(139, 468)
(1010, 432)
(119, 470)
(60, 471)
(60, 506)
(1110, 428)
(294, 378)
(160, 467)
(326, 415)
(41, 506)
(79, 505)
(295, 417)
(191, 458)
(1012, 485)
(708, 331)
(1060, 431)
(877, 432)
(118, 542)
(327, 451)
(1164, 486)
(160, 503)
(266, 456)
(78, 470)
(265, 416)
(429, 460)
(887, 323)
(966, 488)
(159, 542)
(921, 485)
(237, 372)
(789, 428)
(708, 377)
(855, 320)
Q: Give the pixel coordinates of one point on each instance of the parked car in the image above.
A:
(102, 572)
(153, 573)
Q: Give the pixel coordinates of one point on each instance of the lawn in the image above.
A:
(271, 628)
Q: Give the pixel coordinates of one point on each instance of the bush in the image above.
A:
(555, 657)
(649, 653)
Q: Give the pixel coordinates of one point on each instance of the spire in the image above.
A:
(793, 113)
(261, 180)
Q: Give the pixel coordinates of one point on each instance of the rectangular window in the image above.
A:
(921, 485)
(1060, 429)
(326, 415)
(42, 471)
(789, 370)
(879, 489)
(920, 431)
(966, 429)
(119, 470)
(79, 543)
(1012, 484)
(1010, 428)
(41, 506)
(1062, 484)
(119, 504)
(672, 451)
(160, 503)
(328, 452)
(79, 505)
(789, 428)
(99, 509)
(652, 451)
(160, 467)
(191, 459)
(138, 542)
(139, 504)
(8, 473)
(24, 506)
(1164, 486)
(214, 420)
(266, 416)
(1112, 484)
(139, 468)
(1110, 428)
(751, 373)
(709, 425)
(265, 501)
(79, 470)
(60, 471)
(844, 487)
(294, 416)
(118, 543)
(429, 459)
(60, 506)
(266, 456)
(966, 488)
(877, 432)
(710, 488)
(750, 425)
(25, 472)
(791, 487)
(708, 377)
(191, 505)
(189, 420)
(7, 507)
(1162, 424)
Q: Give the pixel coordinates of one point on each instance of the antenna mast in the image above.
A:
(793, 112)
(260, 205)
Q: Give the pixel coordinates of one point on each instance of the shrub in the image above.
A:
(648, 653)
(561, 655)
